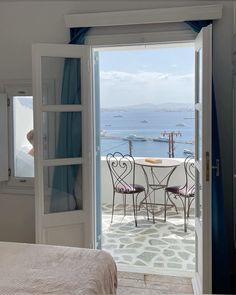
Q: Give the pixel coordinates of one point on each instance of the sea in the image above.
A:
(148, 124)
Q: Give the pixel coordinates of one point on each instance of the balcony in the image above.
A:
(162, 247)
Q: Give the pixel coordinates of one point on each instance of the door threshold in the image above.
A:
(153, 271)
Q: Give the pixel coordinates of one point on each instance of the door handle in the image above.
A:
(217, 167)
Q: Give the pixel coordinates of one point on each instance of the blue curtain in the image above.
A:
(220, 248)
(66, 194)
(198, 25)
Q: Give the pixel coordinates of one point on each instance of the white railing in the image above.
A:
(177, 178)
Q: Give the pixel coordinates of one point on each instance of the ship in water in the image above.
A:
(118, 116)
(144, 121)
(134, 137)
(103, 133)
(180, 125)
(161, 139)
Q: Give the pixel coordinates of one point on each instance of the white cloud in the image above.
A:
(141, 77)
(121, 88)
(183, 77)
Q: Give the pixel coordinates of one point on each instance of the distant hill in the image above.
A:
(143, 106)
(170, 106)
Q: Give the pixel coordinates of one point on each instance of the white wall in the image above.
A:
(17, 218)
(24, 23)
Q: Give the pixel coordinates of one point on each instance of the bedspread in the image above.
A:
(27, 269)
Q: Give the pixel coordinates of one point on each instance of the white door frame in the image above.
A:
(106, 41)
(182, 38)
(85, 216)
(203, 161)
(139, 17)
(144, 16)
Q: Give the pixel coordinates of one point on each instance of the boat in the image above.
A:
(144, 121)
(188, 152)
(161, 139)
(103, 133)
(180, 125)
(135, 138)
(118, 116)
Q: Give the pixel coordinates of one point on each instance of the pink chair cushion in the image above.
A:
(129, 188)
(179, 190)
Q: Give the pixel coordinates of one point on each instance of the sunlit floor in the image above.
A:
(145, 284)
(160, 246)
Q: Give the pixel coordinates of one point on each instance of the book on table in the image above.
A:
(153, 160)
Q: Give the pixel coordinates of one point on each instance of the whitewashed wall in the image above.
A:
(17, 218)
(23, 23)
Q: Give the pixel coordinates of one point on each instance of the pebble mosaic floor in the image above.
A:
(162, 246)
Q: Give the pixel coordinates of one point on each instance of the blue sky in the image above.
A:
(160, 75)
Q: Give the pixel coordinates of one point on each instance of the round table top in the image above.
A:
(164, 163)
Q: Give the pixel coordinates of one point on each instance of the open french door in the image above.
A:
(203, 99)
(63, 145)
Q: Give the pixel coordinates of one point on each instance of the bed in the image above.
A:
(27, 269)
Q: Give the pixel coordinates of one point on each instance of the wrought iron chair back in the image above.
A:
(122, 169)
(189, 168)
(186, 192)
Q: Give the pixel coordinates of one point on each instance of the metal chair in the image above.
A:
(122, 169)
(186, 192)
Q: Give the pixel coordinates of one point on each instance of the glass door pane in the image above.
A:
(198, 195)
(62, 135)
(200, 75)
(203, 98)
(63, 188)
(62, 122)
(61, 80)
(198, 118)
(198, 132)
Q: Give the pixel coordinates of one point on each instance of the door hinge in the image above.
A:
(217, 167)
(207, 166)
(8, 102)
(9, 172)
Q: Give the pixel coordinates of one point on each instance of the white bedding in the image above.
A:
(27, 269)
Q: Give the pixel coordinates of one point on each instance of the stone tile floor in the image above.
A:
(160, 246)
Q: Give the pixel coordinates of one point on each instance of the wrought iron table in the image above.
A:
(157, 181)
